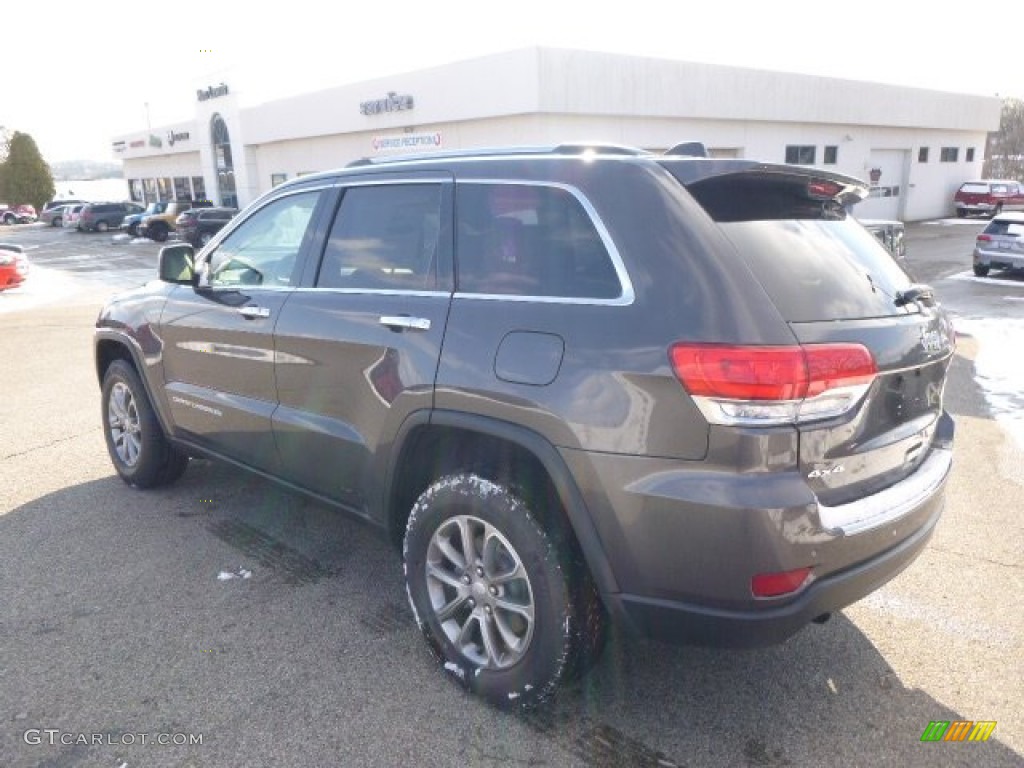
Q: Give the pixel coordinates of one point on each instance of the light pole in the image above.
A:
(149, 125)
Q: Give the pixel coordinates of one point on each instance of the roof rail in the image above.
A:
(688, 149)
(570, 148)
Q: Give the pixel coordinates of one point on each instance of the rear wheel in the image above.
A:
(102, 226)
(493, 592)
(9, 219)
(960, 213)
(204, 238)
(58, 221)
(158, 232)
(998, 210)
(138, 448)
(980, 270)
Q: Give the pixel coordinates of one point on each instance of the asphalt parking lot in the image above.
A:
(245, 625)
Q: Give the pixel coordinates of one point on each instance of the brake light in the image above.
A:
(776, 584)
(823, 188)
(984, 238)
(773, 385)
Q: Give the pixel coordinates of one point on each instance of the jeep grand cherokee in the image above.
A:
(693, 397)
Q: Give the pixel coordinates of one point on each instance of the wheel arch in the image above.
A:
(431, 444)
(110, 346)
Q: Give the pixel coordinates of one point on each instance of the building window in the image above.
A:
(278, 178)
(198, 188)
(227, 193)
(922, 155)
(831, 155)
(149, 188)
(135, 191)
(970, 154)
(949, 154)
(181, 191)
(800, 154)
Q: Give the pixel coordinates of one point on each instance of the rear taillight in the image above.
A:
(773, 385)
(984, 238)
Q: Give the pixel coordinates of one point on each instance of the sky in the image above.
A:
(79, 75)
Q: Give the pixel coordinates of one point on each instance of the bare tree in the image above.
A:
(1004, 158)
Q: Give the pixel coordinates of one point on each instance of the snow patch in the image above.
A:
(241, 573)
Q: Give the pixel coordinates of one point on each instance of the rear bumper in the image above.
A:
(689, 623)
(684, 542)
(998, 259)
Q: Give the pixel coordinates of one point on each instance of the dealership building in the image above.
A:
(913, 146)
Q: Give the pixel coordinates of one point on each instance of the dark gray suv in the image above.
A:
(693, 397)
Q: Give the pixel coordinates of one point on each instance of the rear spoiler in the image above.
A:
(818, 184)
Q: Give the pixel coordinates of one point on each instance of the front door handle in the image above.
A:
(253, 313)
(402, 322)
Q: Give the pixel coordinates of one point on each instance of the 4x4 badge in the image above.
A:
(833, 470)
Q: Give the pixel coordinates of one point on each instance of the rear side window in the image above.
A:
(813, 258)
(384, 237)
(529, 240)
(974, 189)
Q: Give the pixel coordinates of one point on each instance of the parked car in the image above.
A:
(17, 214)
(714, 414)
(198, 225)
(131, 222)
(54, 215)
(103, 216)
(890, 233)
(71, 214)
(989, 197)
(157, 226)
(1000, 245)
(14, 266)
(58, 203)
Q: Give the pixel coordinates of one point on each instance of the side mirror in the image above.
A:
(177, 264)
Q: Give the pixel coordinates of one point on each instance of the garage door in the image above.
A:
(886, 173)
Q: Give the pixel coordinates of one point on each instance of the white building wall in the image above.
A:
(549, 96)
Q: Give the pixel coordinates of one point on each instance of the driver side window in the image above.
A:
(264, 248)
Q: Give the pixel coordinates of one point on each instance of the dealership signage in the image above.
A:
(394, 102)
(406, 141)
(154, 141)
(213, 92)
(137, 143)
(175, 136)
(119, 146)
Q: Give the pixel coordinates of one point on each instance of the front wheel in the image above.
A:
(492, 591)
(138, 448)
(158, 232)
(9, 219)
(204, 238)
(58, 221)
(102, 226)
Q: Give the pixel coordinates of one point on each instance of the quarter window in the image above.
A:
(384, 237)
(264, 248)
(800, 154)
(530, 240)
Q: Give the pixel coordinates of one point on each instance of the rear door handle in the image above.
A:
(253, 313)
(402, 322)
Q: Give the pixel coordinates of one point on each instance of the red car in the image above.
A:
(17, 214)
(989, 197)
(13, 266)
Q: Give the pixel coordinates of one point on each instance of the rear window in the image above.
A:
(974, 189)
(814, 260)
(1005, 228)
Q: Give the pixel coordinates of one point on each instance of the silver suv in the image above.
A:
(1000, 245)
(577, 385)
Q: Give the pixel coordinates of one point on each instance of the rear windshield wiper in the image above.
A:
(917, 293)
